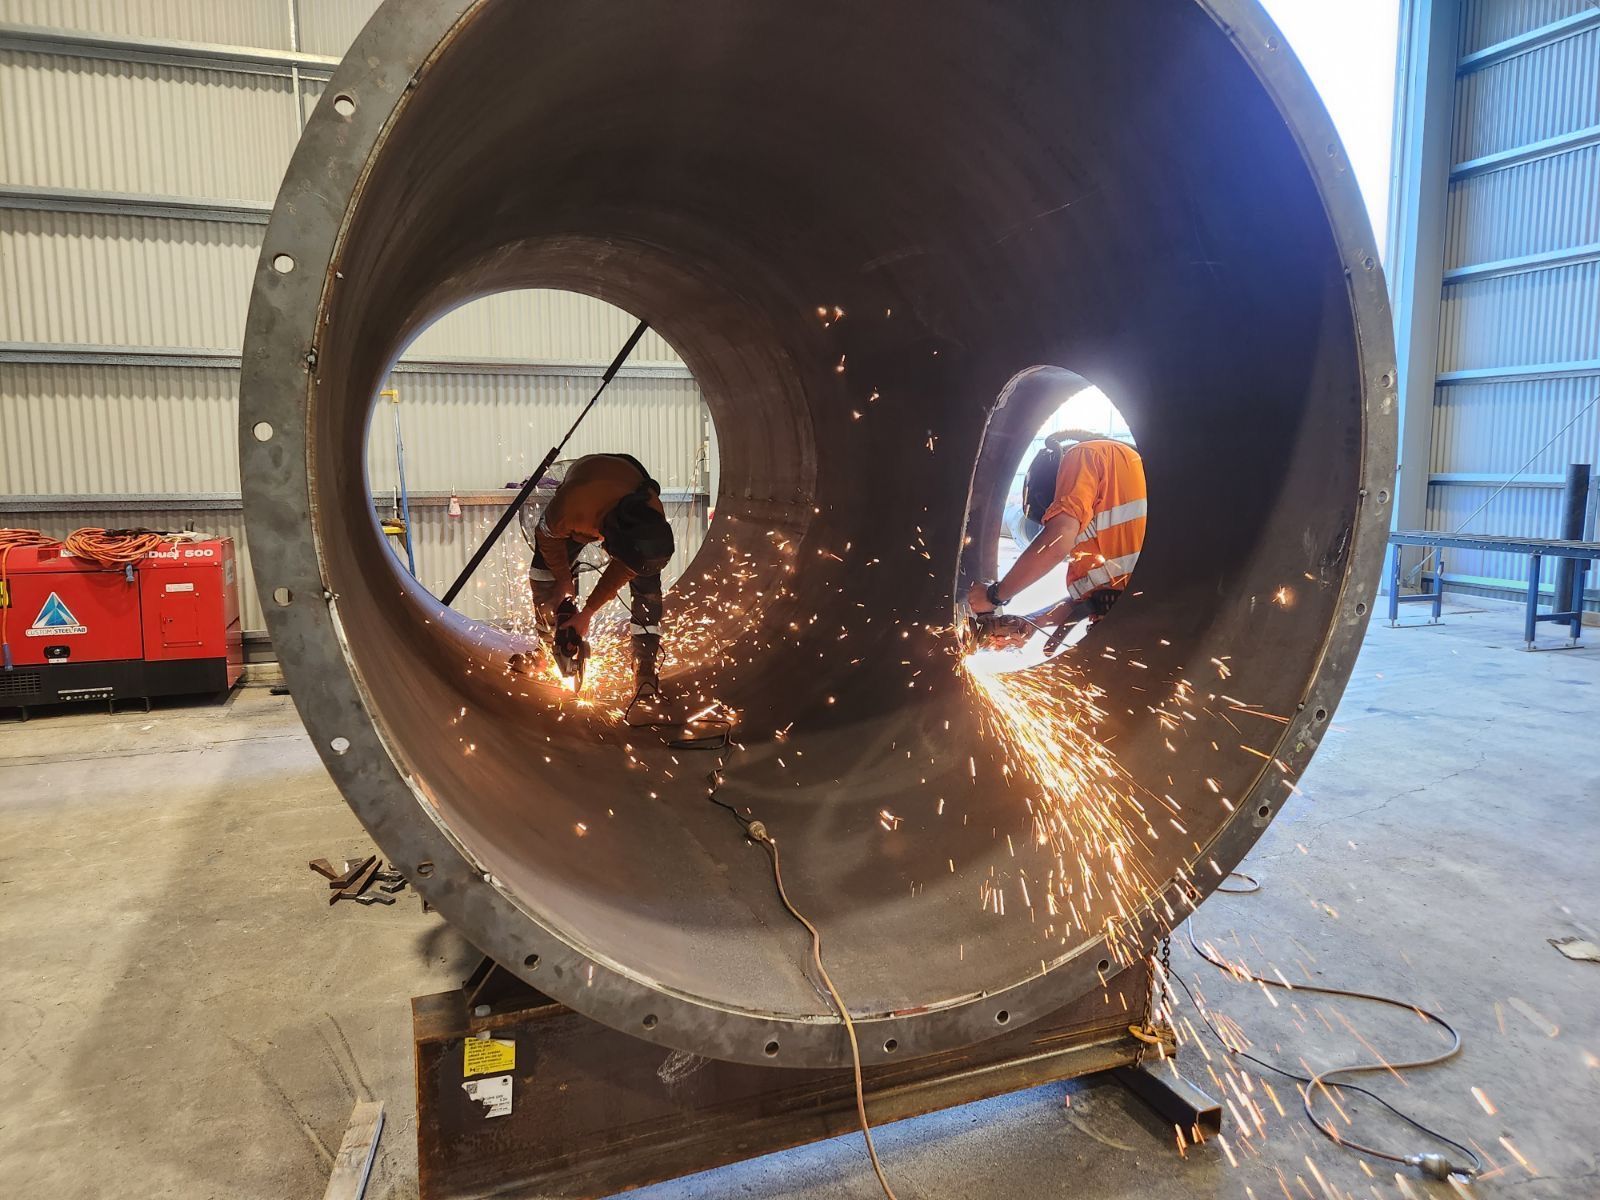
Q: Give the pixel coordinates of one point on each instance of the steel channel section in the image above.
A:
(1149, 193)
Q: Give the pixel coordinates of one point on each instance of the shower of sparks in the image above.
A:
(1085, 813)
(1094, 831)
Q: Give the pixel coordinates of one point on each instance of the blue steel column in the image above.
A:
(1424, 121)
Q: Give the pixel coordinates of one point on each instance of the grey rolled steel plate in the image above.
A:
(1148, 193)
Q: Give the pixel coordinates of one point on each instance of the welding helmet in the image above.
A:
(638, 533)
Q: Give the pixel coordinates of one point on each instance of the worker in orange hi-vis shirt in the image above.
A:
(1095, 526)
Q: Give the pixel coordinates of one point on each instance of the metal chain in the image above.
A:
(1158, 980)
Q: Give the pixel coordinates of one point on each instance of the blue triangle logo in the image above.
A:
(54, 615)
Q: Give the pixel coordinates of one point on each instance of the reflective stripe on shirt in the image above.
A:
(1103, 575)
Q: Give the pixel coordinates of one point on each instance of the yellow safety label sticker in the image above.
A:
(485, 1056)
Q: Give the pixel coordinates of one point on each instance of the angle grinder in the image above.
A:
(995, 631)
(567, 646)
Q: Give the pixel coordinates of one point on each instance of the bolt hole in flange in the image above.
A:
(650, 1021)
(425, 869)
(770, 1049)
(282, 597)
(531, 962)
(339, 745)
(1002, 1017)
(262, 431)
(344, 105)
(890, 1046)
(282, 263)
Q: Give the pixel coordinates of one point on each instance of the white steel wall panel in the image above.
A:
(1530, 512)
(442, 545)
(215, 523)
(329, 26)
(1545, 205)
(311, 91)
(1531, 427)
(1486, 23)
(91, 278)
(1528, 98)
(499, 591)
(541, 325)
(259, 23)
(93, 430)
(167, 283)
(471, 432)
(1533, 318)
(1503, 428)
(136, 127)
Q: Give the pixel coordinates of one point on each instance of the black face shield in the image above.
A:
(638, 534)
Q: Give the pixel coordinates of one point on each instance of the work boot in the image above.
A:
(646, 671)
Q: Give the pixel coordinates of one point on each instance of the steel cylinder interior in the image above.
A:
(977, 188)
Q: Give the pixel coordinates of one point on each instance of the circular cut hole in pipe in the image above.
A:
(1060, 467)
(447, 454)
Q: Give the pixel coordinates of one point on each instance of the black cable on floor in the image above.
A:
(756, 831)
(1250, 883)
(1435, 1165)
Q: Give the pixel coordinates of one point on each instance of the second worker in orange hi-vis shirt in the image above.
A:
(1095, 526)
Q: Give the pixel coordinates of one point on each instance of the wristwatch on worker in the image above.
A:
(992, 594)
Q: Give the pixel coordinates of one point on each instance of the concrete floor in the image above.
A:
(183, 1016)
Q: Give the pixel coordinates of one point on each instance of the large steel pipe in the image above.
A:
(1147, 193)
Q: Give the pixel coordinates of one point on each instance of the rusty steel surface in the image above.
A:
(595, 1112)
(1148, 193)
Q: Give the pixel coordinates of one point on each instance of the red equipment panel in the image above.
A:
(64, 609)
(177, 604)
(190, 597)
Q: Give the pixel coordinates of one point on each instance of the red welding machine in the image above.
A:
(166, 625)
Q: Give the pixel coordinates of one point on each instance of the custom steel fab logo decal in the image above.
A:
(55, 619)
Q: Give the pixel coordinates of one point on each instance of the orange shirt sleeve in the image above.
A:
(1078, 485)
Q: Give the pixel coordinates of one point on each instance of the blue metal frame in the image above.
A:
(1537, 550)
(1435, 597)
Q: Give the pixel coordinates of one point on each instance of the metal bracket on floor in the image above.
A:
(1172, 1097)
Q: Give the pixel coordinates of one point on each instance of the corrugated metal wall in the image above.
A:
(1519, 337)
(136, 171)
(443, 543)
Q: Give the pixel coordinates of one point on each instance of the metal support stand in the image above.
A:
(1435, 597)
(1173, 1098)
(1576, 558)
(560, 1106)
